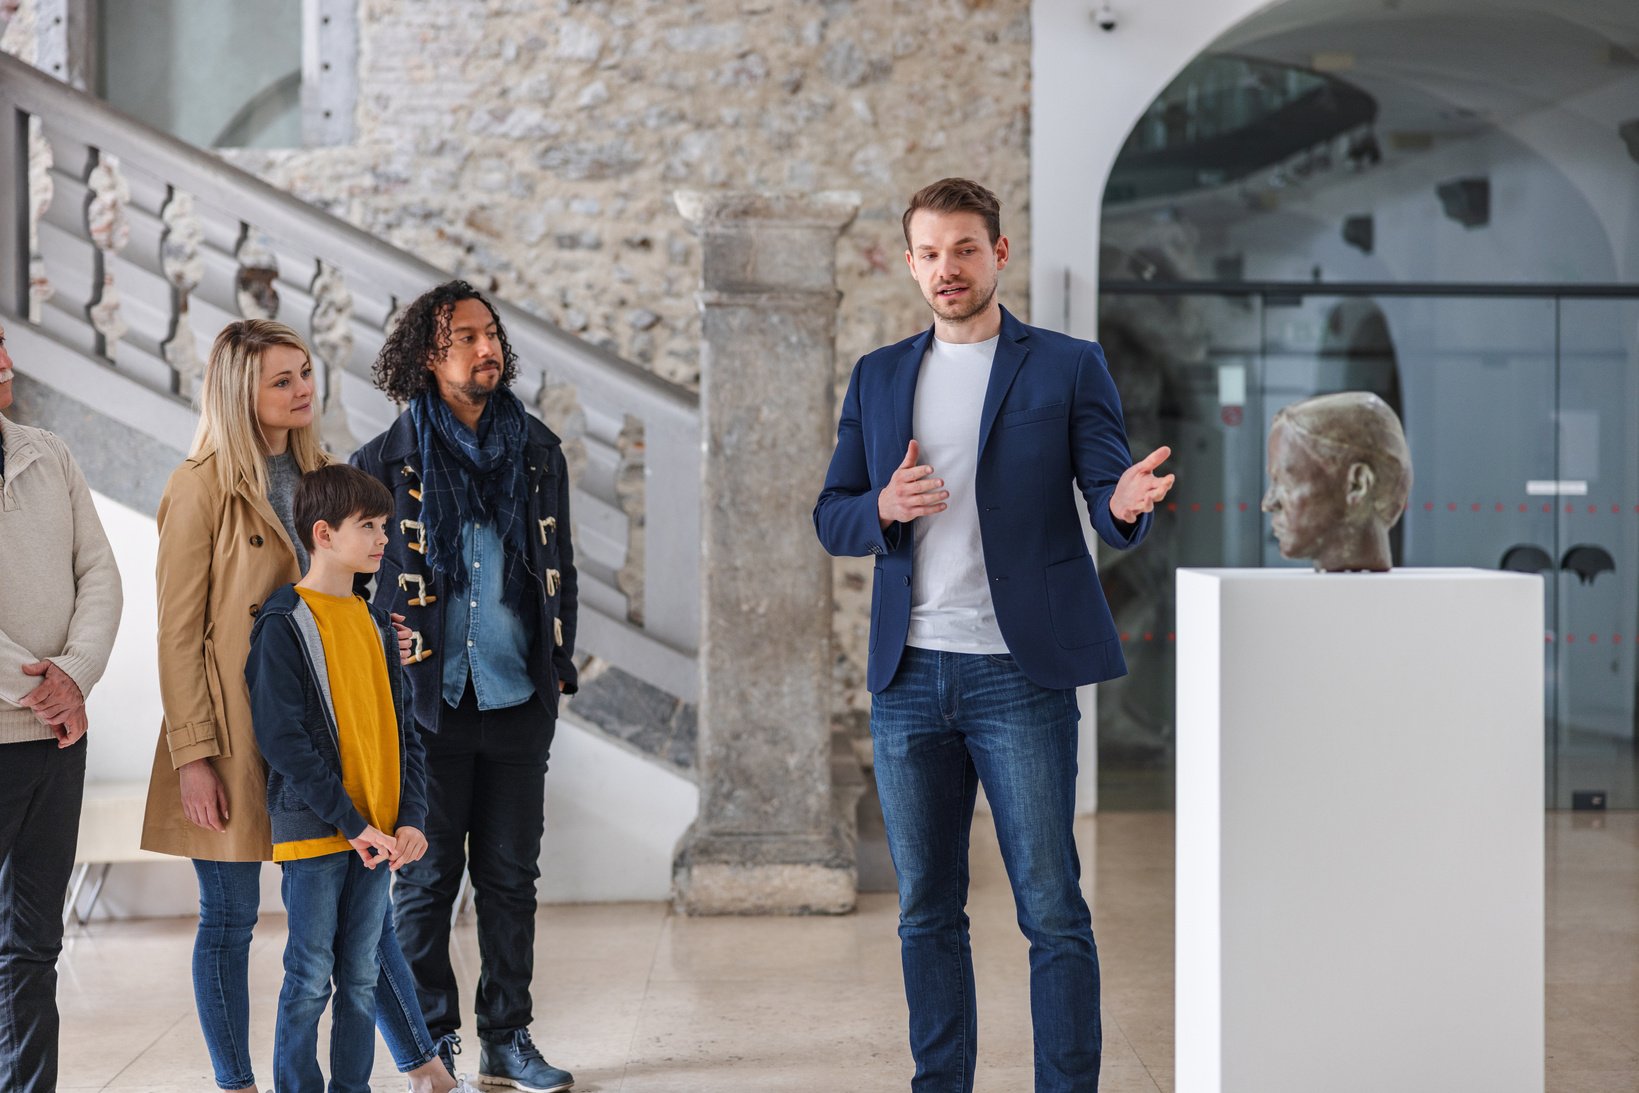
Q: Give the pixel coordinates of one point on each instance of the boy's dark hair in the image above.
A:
(957, 195)
(334, 493)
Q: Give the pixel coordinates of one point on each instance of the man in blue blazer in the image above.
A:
(956, 453)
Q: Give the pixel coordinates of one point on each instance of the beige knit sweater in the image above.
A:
(59, 587)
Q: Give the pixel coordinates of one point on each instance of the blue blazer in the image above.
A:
(1051, 416)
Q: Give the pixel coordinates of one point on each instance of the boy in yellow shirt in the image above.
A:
(327, 699)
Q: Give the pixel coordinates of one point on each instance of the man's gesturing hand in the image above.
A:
(1139, 490)
(54, 697)
(911, 492)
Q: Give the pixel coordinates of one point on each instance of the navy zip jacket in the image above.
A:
(296, 731)
(409, 586)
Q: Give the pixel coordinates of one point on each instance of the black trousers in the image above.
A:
(485, 813)
(41, 787)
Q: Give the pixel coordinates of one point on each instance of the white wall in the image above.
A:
(613, 819)
(1089, 87)
(124, 709)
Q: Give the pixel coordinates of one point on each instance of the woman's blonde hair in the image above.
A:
(228, 425)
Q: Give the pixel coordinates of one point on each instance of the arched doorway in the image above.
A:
(1441, 205)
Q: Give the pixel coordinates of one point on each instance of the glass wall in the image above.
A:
(216, 73)
(1523, 419)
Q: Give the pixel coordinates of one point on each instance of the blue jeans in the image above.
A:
(336, 905)
(229, 894)
(948, 722)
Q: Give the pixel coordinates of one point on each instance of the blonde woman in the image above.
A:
(227, 540)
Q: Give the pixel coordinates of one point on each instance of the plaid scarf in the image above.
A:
(478, 478)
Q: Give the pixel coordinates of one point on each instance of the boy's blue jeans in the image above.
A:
(335, 905)
(230, 893)
(947, 723)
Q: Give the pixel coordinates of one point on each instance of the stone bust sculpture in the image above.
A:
(1339, 476)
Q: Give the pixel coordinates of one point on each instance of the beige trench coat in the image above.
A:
(220, 556)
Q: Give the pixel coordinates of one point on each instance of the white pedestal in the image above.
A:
(1360, 832)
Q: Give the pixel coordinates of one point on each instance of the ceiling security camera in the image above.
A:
(1105, 16)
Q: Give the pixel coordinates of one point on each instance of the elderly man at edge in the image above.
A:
(59, 608)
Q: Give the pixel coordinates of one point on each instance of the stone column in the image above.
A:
(775, 834)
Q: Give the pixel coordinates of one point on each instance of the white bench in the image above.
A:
(110, 832)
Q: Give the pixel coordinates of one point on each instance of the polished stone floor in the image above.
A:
(635, 1000)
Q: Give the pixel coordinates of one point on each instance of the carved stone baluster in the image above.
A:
(629, 484)
(110, 230)
(395, 315)
(41, 190)
(333, 342)
(184, 268)
(559, 406)
(257, 293)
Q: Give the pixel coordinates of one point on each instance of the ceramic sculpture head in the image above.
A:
(1339, 477)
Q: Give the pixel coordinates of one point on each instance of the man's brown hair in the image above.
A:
(957, 195)
(333, 494)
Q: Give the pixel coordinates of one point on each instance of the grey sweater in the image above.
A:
(60, 592)
(282, 477)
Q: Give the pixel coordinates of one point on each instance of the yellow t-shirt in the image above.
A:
(365, 723)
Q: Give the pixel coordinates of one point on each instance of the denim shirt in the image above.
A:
(483, 635)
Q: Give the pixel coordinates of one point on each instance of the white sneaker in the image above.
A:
(461, 1086)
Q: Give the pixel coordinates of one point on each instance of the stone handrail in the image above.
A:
(131, 248)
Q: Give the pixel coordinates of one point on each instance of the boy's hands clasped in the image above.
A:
(411, 845)
(406, 845)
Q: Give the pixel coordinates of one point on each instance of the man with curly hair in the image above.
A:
(479, 561)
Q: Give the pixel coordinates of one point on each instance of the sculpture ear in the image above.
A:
(1361, 479)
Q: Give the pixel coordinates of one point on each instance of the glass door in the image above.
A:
(1595, 623)
(1189, 368)
(1522, 414)
(1473, 381)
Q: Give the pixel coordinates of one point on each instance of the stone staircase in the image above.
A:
(126, 250)
(123, 251)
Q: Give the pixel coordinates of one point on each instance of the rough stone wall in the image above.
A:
(534, 147)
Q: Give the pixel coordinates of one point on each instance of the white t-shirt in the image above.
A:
(950, 592)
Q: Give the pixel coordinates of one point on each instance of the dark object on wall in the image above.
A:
(1467, 201)
(1364, 151)
(1525, 558)
(1360, 232)
(1588, 800)
(1629, 132)
(1588, 562)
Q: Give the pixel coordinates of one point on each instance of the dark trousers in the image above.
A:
(485, 813)
(40, 791)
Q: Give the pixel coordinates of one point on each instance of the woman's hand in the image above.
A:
(204, 799)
